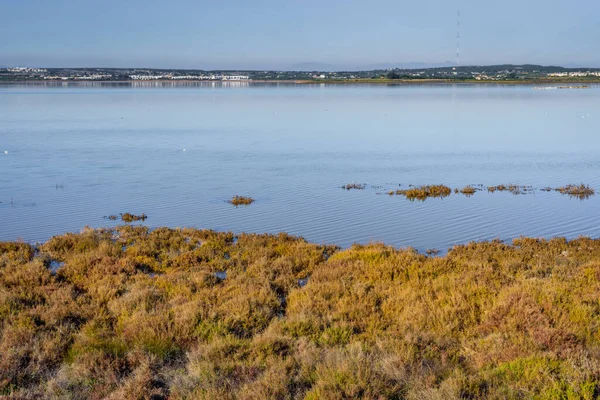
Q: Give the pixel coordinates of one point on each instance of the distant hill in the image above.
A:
(312, 66)
(324, 67)
(504, 67)
(407, 65)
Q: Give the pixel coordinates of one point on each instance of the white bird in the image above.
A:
(5, 151)
(184, 149)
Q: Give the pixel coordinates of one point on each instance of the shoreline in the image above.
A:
(441, 252)
(325, 81)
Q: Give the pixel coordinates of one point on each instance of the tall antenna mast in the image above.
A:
(457, 37)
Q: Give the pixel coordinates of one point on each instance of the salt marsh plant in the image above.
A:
(468, 190)
(512, 188)
(140, 313)
(241, 200)
(127, 217)
(425, 192)
(358, 186)
(580, 191)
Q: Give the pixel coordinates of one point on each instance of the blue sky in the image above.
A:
(268, 34)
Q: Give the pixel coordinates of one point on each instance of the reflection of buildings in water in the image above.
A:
(146, 77)
(235, 84)
(189, 84)
(184, 84)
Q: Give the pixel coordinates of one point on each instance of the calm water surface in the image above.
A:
(76, 153)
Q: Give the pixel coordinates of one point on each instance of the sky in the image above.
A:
(297, 34)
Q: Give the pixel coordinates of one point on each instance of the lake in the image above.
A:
(71, 154)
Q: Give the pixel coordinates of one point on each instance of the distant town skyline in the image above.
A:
(311, 35)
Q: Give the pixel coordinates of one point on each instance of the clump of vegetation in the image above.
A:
(424, 192)
(128, 217)
(468, 190)
(358, 186)
(487, 320)
(512, 188)
(580, 191)
(499, 188)
(241, 201)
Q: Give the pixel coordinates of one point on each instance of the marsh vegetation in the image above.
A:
(424, 192)
(241, 201)
(467, 190)
(139, 313)
(512, 188)
(358, 186)
(580, 191)
(127, 217)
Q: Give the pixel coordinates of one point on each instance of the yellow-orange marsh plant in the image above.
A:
(241, 201)
(424, 192)
(468, 190)
(580, 191)
(139, 313)
(512, 188)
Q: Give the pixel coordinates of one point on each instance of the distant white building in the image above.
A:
(93, 77)
(575, 74)
(235, 77)
(26, 69)
(146, 77)
(186, 77)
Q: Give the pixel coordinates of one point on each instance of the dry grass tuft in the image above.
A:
(128, 217)
(424, 192)
(580, 191)
(358, 186)
(468, 190)
(512, 188)
(241, 201)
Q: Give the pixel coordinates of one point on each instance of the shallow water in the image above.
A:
(77, 153)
